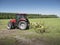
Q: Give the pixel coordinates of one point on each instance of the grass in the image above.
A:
(30, 37)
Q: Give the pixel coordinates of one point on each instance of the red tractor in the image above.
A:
(20, 22)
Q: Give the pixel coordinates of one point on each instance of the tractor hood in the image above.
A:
(13, 20)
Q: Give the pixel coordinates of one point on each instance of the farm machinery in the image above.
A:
(20, 22)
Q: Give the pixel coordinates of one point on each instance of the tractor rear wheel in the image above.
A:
(22, 25)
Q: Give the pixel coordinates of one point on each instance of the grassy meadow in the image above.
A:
(29, 37)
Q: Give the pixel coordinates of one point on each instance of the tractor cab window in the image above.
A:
(23, 16)
(20, 16)
(17, 17)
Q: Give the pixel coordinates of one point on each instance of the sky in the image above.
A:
(31, 6)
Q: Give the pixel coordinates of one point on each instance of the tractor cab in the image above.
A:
(21, 17)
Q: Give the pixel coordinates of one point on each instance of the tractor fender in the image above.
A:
(22, 19)
(13, 20)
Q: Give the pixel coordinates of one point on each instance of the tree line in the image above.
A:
(13, 15)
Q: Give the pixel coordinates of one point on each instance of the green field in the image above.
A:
(30, 37)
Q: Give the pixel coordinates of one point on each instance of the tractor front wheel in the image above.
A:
(10, 25)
